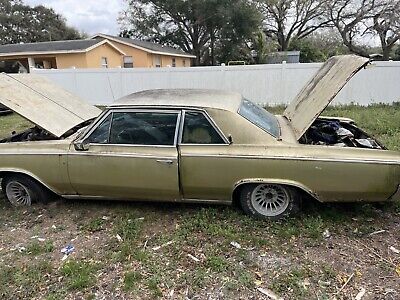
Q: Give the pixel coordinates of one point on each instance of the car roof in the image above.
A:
(198, 98)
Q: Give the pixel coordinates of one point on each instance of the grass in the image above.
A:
(79, 274)
(131, 280)
(36, 248)
(290, 257)
(12, 122)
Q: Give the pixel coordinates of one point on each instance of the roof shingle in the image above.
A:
(70, 45)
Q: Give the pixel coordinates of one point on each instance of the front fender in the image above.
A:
(4, 171)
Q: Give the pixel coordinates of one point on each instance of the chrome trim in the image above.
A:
(177, 128)
(299, 158)
(112, 110)
(275, 181)
(134, 145)
(206, 201)
(94, 125)
(91, 197)
(34, 153)
(181, 127)
(132, 155)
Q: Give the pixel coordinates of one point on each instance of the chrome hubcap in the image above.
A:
(270, 200)
(18, 194)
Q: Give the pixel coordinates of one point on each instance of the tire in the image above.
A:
(269, 201)
(21, 190)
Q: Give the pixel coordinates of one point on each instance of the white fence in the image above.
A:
(265, 84)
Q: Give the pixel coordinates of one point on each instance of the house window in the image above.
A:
(128, 62)
(157, 61)
(104, 62)
(184, 62)
(174, 62)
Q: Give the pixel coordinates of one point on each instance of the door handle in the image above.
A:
(165, 161)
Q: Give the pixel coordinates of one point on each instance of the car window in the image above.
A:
(143, 128)
(198, 130)
(260, 117)
(100, 134)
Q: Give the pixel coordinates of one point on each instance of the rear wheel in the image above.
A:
(21, 190)
(269, 201)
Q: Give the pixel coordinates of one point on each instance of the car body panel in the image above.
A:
(125, 172)
(43, 103)
(46, 161)
(321, 90)
(348, 176)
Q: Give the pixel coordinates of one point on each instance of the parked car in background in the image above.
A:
(194, 146)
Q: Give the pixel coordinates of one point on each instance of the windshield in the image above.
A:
(260, 117)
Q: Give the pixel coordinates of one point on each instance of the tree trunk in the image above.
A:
(386, 52)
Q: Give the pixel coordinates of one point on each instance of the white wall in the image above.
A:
(265, 84)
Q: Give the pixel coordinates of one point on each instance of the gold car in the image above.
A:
(194, 146)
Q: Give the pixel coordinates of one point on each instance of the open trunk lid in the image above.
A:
(316, 95)
(44, 103)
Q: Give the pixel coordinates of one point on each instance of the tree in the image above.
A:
(285, 20)
(319, 46)
(21, 23)
(200, 27)
(397, 53)
(355, 19)
(386, 24)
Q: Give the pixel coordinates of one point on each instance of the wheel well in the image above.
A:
(4, 174)
(302, 192)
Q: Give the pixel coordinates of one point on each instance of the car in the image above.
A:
(201, 146)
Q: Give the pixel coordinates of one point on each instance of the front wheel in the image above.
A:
(269, 201)
(23, 191)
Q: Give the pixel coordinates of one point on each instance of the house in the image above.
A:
(146, 54)
(100, 51)
(291, 57)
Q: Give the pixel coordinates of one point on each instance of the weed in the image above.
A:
(94, 225)
(131, 279)
(79, 274)
(217, 263)
(152, 284)
(35, 248)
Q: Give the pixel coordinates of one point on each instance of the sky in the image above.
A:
(89, 16)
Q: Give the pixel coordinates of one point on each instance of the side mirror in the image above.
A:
(81, 146)
(230, 140)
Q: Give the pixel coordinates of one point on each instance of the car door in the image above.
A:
(201, 143)
(131, 154)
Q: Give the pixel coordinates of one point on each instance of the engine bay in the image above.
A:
(340, 133)
(39, 134)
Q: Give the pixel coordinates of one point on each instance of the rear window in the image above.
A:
(260, 117)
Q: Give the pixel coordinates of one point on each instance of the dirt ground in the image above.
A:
(169, 251)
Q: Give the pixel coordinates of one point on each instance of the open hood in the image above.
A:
(321, 90)
(44, 103)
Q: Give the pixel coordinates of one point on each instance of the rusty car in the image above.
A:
(204, 146)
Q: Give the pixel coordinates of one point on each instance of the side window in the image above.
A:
(100, 134)
(143, 128)
(198, 130)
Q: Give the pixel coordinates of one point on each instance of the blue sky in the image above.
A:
(90, 16)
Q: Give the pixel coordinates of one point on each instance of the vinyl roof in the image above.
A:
(183, 98)
(153, 47)
(69, 45)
